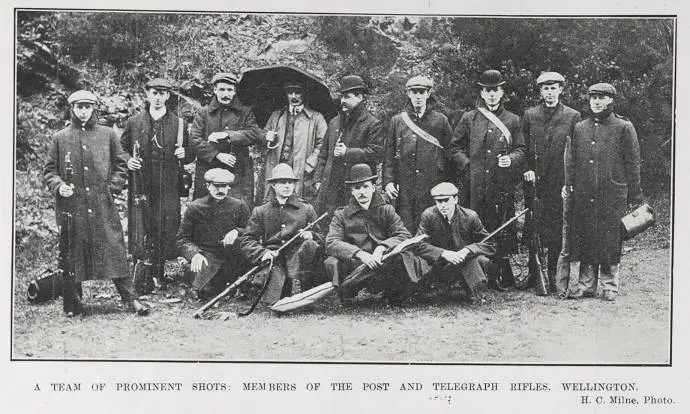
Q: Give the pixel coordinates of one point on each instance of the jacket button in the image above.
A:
(83, 147)
(282, 226)
(487, 171)
(591, 200)
(594, 142)
(89, 211)
(87, 189)
(86, 168)
(489, 130)
(488, 151)
(591, 161)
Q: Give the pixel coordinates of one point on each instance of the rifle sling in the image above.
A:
(258, 297)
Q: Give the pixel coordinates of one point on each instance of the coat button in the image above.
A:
(591, 161)
(282, 226)
(83, 147)
(591, 200)
(487, 171)
(86, 168)
(489, 130)
(417, 171)
(594, 142)
(89, 211)
(488, 151)
(87, 189)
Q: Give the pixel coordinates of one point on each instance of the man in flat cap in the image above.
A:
(360, 233)
(354, 136)
(415, 157)
(273, 223)
(489, 141)
(602, 175)
(294, 135)
(85, 169)
(159, 138)
(455, 250)
(221, 135)
(208, 236)
(546, 128)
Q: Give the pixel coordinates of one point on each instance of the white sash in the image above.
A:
(419, 131)
(494, 119)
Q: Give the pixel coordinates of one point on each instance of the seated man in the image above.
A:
(360, 233)
(454, 250)
(208, 235)
(273, 223)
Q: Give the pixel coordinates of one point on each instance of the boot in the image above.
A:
(71, 303)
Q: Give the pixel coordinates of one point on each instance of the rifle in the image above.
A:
(197, 314)
(140, 222)
(66, 265)
(184, 178)
(536, 264)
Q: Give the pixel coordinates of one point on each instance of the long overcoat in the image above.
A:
(159, 174)
(414, 164)
(546, 131)
(362, 133)
(603, 168)
(309, 130)
(239, 122)
(477, 142)
(99, 170)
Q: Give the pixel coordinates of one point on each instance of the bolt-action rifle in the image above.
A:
(140, 228)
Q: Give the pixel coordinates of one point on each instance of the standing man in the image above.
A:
(221, 135)
(360, 233)
(489, 139)
(547, 127)
(271, 225)
(209, 232)
(415, 159)
(92, 155)
(354, 136)
(603, 178)
(454, 249)
(294, 135)
(162, 140)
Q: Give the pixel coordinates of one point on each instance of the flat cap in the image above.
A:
(602, 89)
(159, 83)
(548, 78)
(491, 78)
(82, 96)
(292, 85)
(444, 189)
(351, 83)
(220, 176)
(224, 77)
(282, 172)
(419, 82)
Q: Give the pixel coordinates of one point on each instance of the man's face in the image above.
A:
(599, 103)
(418, 97)
(492, 95)
(295, 97)
(350, 100)
(83, 111)
(446, 205)
(224, 92)
(284, 188)
(157, 97)
(363, 192)
(551, 93)
(218, 190)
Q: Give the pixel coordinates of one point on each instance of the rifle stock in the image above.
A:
(66, 266)
(139, 216)
(536, 264)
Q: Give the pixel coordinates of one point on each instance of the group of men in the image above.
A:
(454, 185)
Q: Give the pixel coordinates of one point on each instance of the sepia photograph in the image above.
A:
(427, 189)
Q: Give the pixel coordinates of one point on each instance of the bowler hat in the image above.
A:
(491, 78)
(360, 173)
(159, 83)
(224, 77)
(282, 172)
(602, 89)
(82, 96)
(419, 82)
(351, 83)
(548, 78)
(443, 190)
(219, 176)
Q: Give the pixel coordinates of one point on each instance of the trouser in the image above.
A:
(391, 278)
(72, 292)
(471, 273)
(297, 265)
(563, 266)
(500, 272)
(605, 274)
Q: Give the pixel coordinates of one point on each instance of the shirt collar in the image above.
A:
(157, 114)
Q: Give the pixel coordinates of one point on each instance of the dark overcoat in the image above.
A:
(464, 231)
(477, 142)
(272, 224)
(159, 174)
(603, 168)
(414, 164)
(99, 171)
(239, 122)
(362, 133)
(546, 131)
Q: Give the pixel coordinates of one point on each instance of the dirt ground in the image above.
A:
(516, 326)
